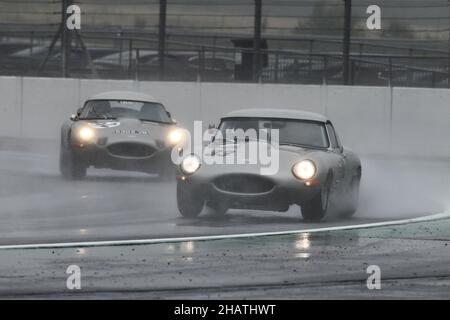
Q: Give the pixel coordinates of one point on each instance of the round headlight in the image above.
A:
(305, 169)
(190, 164)
(86, 134)
(175, 136)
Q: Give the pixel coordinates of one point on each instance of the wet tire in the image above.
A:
(351, 203)
(189, 204)
(69, 167)
(218, 208)
(316, 209)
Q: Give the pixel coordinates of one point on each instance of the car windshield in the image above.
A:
(113, 109)
(291, 132)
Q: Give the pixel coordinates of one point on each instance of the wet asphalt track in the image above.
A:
(38, 206)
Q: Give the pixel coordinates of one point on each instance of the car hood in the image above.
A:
(278, 161)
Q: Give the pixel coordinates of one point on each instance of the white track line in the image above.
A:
(437, 216)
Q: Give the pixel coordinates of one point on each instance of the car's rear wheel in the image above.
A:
(189, 204)
(316, 209)
(69, 167)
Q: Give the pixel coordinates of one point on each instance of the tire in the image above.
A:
(218, 208)
(189, 205)
(316, 209)
(70, 168)
(351, 203)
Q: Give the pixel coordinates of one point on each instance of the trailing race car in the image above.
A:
(315, 171)
(121, 131)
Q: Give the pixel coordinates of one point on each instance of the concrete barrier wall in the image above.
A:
(402, 121)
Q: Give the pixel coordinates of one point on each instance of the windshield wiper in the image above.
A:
(299, 145)
(155, 121)
(99, 118)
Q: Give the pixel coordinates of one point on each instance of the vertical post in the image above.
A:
(448, 63)
(65, 40)
(277, 66)
(130, 57)
(390, 72)
(31, 42)
(310, 60)
(257, 41)
(347, 33)
(162, 36)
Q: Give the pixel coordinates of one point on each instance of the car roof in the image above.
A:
(123, 95)
(276, 113)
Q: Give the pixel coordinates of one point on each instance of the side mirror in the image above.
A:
(79, 110)
(74, 117)
(211, 126)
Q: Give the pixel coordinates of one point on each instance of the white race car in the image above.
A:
(121, 131)
(315, 170)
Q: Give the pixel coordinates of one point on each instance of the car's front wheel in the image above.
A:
(69, 167)
(189, 204)
(218, 208)
(316, 209)
(350, 202)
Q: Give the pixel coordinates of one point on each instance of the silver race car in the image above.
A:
(121, 131)
(314, 170)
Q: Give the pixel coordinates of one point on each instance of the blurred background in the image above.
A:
(267, 41)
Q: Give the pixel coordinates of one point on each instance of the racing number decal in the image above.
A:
(104, 125)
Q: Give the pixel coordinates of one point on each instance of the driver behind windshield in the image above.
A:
(112, 109)
(291, 132)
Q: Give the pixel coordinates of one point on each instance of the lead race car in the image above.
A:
(122, 131)
(315, 171)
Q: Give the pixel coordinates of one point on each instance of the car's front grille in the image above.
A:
(131, 150)
(243, 183)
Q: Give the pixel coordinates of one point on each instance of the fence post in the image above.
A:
(136, 71)
(120, 48)
(277, 61)
(352, 72)
(310, 59)
(390, 72)
(162, 36)
(347, 34)
(257, 41)
(65, 40)
(130, 57)
(324, 70)
(201, 64)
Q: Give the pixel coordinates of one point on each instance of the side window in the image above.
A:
(333, 139)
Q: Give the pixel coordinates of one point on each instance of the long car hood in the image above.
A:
(282, 159)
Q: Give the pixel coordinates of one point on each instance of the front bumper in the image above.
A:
(99, 156)
(279, 197)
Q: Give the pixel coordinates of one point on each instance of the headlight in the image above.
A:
(190, 164)
(305, 169)
(176, 136)
(86, 134)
